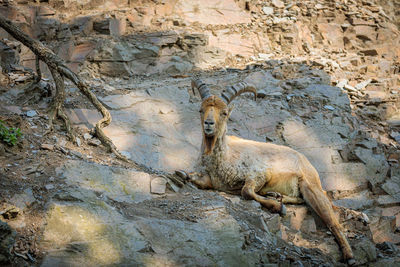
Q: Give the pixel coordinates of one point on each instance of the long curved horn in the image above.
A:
(231, 92)
(204, 90)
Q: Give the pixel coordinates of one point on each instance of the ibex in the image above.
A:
(256, 169)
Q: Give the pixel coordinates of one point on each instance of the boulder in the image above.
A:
(365, 33)
(364, 251)
(118, 184)
(382, 229)
(331, 34)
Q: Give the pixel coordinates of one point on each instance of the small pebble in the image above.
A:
(78, 141)
(328, 107)
(47, 147)
(31, 113)
(49, 186)
(87, 136)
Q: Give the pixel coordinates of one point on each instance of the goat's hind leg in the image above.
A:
(249, 192)
(316, 198)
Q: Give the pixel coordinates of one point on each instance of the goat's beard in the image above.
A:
(209, 143)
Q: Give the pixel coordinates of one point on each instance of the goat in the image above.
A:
(255, 169)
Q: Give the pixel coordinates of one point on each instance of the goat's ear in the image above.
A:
(230, 109)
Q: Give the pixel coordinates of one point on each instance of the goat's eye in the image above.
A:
(224, 113)
(201, 110)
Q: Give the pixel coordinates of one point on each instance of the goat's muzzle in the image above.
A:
(209, 136)
(209, 128)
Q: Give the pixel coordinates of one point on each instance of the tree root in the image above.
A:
(57, 106)
(59, 69)
(38, 77)
(35, 83)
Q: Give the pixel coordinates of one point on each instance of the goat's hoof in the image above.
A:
(282, 212)
(351, 262)
(273, 194)
(182, 174)
(364, 218)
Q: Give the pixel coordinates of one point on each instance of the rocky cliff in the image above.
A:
(328, 80)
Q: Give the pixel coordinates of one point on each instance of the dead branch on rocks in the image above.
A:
(59, 71)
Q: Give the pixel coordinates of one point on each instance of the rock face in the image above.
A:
(90, 226)
(327, 80)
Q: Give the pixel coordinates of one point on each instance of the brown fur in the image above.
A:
(233, 164)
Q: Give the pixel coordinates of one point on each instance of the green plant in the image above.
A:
(9, 135)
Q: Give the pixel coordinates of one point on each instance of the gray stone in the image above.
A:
(220, 244)
(263, 80)
(159, 131)
(263, 56)
(358, 201)
(268, 10)
(388, 247)
(362, 85)
(94, 142)
(387, 200)
(335, 96)
(321, 138)
(23, 200)
(31, 113)
(78, 141)
(364, 251)
(394, 121)
(385, 262)
(392, 187)
(158, 185)
(382, 229)
(395, 136)
(273, 222)
(75, 195)
(341, 83)
(178, 67)
(375, 164)
(329, 107)
(89, 234)
(119, 184)
(87, 136)
(49, 186)
(9, 55)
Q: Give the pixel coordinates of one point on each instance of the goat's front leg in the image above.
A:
(249, 192)
(285, 199)
(202, 181)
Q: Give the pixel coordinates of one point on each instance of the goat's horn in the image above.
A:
(204, 90)
(231, 92)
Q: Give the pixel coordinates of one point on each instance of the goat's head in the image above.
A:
(215, 111)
